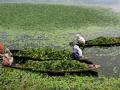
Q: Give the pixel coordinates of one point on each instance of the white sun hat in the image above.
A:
(80, 39)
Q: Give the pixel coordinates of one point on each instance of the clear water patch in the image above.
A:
(108, 58)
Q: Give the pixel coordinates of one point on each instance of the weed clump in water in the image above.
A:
(103, 40)
(56, 65)
(46, 53)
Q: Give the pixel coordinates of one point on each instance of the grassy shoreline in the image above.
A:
(12, 79)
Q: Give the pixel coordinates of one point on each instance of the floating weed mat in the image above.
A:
(45, 53)
(64, 54)
(103, 40)
(55, 66)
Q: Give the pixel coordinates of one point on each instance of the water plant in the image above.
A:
(56, 65)
(17, 19)
(104, 40)
(46, 53)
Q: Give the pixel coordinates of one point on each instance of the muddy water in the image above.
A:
(108, 58)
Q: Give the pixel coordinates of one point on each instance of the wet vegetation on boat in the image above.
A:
(103, 40)
(45, 53)
(56, 65)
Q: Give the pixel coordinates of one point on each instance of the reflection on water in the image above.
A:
(108, 58)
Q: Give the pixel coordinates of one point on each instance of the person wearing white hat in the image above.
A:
(77, 51)
(80, 40)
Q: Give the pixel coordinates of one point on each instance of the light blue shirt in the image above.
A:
(76, 49)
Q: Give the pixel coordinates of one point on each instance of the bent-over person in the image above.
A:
(77, 51)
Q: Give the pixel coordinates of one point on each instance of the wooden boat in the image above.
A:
(102, 45)
(85, 72)
(88, 71)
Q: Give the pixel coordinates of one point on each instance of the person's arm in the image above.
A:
(80, 52)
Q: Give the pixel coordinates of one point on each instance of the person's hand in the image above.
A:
(82, 56)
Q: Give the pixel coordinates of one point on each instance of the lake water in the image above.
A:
(108, 58)
(113, 4)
